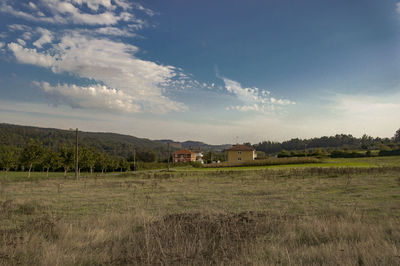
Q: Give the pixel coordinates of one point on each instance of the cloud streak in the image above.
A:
(254, 99)
(64, 12)
(97, 97)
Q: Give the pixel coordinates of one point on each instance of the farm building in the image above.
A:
(241, 153)
(199, 155)
(183, 156)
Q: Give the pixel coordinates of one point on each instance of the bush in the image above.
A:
(389, 152)
(347, 154)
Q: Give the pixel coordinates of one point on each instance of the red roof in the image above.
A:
(238, 147)
(183, 152)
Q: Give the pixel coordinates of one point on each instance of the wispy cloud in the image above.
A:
(254, 99)
(31, 56)
(398, 8)
(114, 31)
(46, 37)
(64, 12)
(98, 97)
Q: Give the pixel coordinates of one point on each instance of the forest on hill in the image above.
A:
(339, 141)
(111, 143)
(118, 145)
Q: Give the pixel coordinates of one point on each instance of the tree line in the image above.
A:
(115, 145)
(342, 141)
(35, 156)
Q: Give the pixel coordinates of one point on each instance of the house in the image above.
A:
(199, 155)
(184, 156)
(241, 153)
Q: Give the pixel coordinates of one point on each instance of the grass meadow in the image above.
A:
(328, 215)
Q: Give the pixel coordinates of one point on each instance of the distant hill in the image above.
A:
(111, 143)
(195, 145)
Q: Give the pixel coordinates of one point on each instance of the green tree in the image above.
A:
(123, 164)
(50, 159)
(8, 158)
(67, 158)
(396, 137)
(31, 154)
(146, 156)
(87, 157)
(261, 155)
(103, 161)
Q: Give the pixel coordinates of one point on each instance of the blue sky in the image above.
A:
(215, 71)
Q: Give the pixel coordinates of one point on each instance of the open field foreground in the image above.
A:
(299, 216)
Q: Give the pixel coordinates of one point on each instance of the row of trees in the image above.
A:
(34, 156)
(333, 142)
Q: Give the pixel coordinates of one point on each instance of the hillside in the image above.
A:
(196, 145)
(111, 143)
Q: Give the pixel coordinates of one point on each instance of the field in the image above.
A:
(342, 213)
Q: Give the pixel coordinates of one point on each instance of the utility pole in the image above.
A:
(305, 149)
(76, 156)
(134, 159)
(169, 155)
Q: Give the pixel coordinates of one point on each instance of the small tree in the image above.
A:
(67, 158)
(396, 137)
(123, 164)
(87, 157)
(50, 159)
(31, 154)
(147, 156)
(103, 161)
(8, 158)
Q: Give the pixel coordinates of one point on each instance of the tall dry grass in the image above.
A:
(265, 162)
(309, 216)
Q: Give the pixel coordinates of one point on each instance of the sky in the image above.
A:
(213, 71)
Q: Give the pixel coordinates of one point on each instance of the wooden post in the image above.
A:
(76, 156)
(169, 155)
(134, 159)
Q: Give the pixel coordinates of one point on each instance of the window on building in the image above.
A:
(239, 159)
(239, 152)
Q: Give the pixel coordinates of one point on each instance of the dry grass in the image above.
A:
(265, 162)
(313, 216)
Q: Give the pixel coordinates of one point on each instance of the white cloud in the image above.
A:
(32, 5)
(70, 11)
(31, 56)
(5, 8)
(27, 35)
(114, 31)
(254, 99)
(19, 27)
(46, 37)
(398, 8)
(2, 44)
(109, 62)
(90, 97)
(145, 10)
(81, 52)
(22, 42)
(365, 108)
(94, 4)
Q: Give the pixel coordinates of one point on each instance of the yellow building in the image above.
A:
(241, 153)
